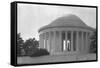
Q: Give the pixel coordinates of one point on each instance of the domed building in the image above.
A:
(66, 35)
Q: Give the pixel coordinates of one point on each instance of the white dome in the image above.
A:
(66, 21)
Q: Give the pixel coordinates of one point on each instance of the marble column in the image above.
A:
(45, 41)
(85, 47)
(60, 40)
(41, 41)
(66, 40)
(86, 42)
(71, 40)
(54, 40)
(49, 48)
(82, 42)
(80, 38)
(47, 38)
(77, 41)
(88, 46)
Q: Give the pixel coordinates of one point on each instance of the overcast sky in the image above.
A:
(31, 17)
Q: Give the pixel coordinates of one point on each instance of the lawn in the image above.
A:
(55, 58)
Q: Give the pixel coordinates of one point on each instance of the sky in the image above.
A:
(31, 17)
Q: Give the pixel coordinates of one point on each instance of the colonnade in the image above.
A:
(69, 41)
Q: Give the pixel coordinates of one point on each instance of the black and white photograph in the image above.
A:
(54, 33)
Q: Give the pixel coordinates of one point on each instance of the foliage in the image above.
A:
(93, 45)
(30, 45)
(19, 45)
(39, 52)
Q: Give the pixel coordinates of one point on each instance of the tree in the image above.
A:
(93, 45)
(19, 45)
(30, 45)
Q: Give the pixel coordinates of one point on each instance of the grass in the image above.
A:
(55, 58)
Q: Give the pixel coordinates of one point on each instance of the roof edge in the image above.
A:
(88, 27)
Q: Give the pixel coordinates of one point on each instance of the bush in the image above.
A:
(30, 51)
(93, 49)
(40, 52)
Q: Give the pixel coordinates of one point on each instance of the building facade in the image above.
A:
(67, 34)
